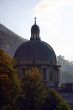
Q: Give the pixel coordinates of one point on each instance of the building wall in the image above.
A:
(48, 73)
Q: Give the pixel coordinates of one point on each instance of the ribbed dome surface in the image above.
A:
(35, 50)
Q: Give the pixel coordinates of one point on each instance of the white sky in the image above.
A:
(54, 17)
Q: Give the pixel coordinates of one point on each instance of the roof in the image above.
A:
(35, 51)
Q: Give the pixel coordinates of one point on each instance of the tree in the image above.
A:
(54, 101)
(34, 92)
(9, 82)
(37, 97)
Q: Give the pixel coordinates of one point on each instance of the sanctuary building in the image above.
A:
(39, 54)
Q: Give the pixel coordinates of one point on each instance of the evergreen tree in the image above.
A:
(54, 101)
(37, 97)
(9, 82)
(33, 90)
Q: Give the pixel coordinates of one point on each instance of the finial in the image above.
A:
(35, 20)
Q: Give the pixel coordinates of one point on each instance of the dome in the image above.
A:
(35, 51)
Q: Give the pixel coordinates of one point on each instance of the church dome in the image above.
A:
(35, 51)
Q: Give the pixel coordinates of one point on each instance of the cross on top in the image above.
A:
(35, 20)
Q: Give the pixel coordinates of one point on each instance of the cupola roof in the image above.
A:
(35, 32)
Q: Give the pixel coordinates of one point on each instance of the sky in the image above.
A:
(54, 17)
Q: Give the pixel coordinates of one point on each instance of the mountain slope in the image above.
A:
(9, 41)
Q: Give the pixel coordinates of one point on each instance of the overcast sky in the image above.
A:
(54, 17)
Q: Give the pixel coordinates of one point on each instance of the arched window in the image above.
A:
(23, 71)
(44, 74)
(51, 77)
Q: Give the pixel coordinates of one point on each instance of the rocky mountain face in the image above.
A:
(66, 70)
(9, 41)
